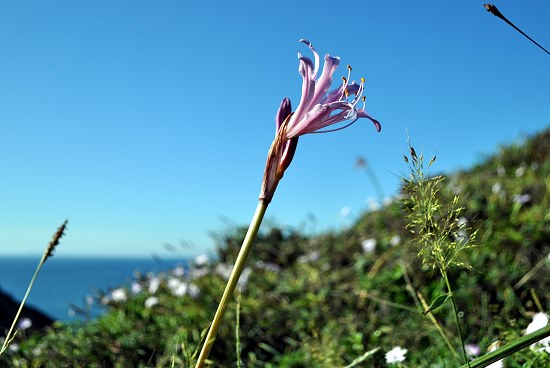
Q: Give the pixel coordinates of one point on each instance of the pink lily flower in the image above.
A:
(318, 109)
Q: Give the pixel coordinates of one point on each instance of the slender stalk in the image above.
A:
(509, 349)
(232, 282)
(455, 309)
(16, 318)
(47, 253)
(238, 331)
(491, 8)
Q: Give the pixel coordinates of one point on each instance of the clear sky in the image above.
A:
(148, 122)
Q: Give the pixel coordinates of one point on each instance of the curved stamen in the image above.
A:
(335, 129)
(344, 89)
(359, 92)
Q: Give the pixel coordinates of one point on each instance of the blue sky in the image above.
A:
(147, 123)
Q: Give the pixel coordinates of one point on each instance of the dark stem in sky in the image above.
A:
(491, 8)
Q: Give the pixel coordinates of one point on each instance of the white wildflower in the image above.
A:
(520, 171)
(369, 245)
(310, 257)
(494, 346)
(180, 290)
(501, 171)
(223, 270)
(522, 198)
(472, 350)
(151, 301)
(154, 283)
(179, 271)
(89, 299)
(540, 320)
(193, 290)
(243, 281)
(396, 355)
(496, 188)
(395, 240)
(268, 266)
(196, 273)
(201, 260)
(373, 204)
(178, 287)
(118, 295)
(135, 287)
(24, 324)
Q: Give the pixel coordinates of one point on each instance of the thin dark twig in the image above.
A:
(491, 8)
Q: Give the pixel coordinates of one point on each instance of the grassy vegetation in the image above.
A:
(326, 300)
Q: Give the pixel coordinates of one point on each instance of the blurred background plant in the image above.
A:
(326, 300)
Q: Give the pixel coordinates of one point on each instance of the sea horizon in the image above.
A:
(67, 281)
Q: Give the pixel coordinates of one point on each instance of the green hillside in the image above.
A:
(324, 301)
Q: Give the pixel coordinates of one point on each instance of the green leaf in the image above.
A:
(437, 302)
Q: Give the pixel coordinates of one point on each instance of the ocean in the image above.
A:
(66, 281)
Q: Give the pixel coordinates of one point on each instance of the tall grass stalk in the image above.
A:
(437, 229)
(47, 254)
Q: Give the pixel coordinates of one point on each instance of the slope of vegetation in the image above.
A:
(325, 300)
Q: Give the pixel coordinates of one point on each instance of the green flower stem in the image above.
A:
(510, 348)
(232, 282)
(455, 309)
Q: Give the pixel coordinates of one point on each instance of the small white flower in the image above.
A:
(472, 350)
(496, 188)
(196, 273)
(268, 266)
(387, 201)
(151, 301)
(395, 240)
(173, 283)
(373, 204)
(136, 287)
(154, 284)
(540, 320)
(180, 290)
(520, 171)
(89, 300)
(201, 260)
(223, 270)
(494, 346)
(178, 287)
(396, 355)
(369, 245)
(522, 198)
(118, 295)
(14, 347)
(178, 271)
(193, 290)
(501, 171)
(243, 280)
(24, 324)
